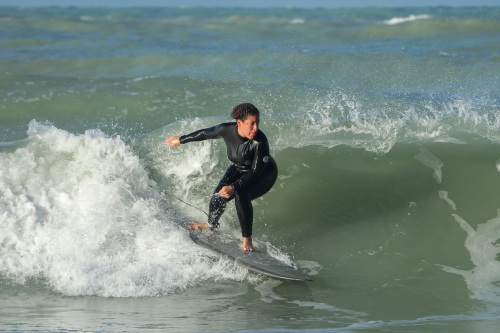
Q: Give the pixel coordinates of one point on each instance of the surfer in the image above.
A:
(251, 174)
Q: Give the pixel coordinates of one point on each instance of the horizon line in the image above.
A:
(246, 7)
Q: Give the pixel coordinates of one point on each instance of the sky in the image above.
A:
(252, 3)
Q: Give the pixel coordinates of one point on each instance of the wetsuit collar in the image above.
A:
(240, 138)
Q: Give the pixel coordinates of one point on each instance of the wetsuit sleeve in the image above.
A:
(203, 134)
(260, 161)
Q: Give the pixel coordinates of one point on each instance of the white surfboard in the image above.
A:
(258, 261)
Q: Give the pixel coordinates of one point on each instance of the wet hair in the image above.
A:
(243, 110)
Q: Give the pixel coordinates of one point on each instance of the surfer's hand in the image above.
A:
(226, 192)
(173, 141)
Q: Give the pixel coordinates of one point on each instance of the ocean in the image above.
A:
(384, 122)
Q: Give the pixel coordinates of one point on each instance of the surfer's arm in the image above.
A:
(203, 134)
(199, 135)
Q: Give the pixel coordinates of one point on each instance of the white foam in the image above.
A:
(78, 211)
(297, 21)
(483, 244)
(86, 18)
(269, 296)
(449, 139)
(310, 267)
(276, 253)
(444, 195)
(411, 18)
(429, 160)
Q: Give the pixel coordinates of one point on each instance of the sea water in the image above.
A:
(385, 124)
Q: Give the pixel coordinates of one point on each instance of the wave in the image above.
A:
(384, 202)
(411, 18)
(82, 215)
(89, 214)
(377, 124)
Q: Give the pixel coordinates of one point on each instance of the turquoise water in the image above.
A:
(385, 124)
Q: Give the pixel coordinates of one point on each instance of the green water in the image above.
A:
(386, 137)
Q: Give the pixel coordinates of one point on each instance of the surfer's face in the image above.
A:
(248, 128)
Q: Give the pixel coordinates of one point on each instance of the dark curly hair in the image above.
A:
(243, 110)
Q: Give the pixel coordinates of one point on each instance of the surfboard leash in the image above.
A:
(184, 202)
(187, 203)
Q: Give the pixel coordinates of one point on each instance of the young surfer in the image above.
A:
(251, 174)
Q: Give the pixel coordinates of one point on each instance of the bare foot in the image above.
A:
(197, 226)
(247, 244)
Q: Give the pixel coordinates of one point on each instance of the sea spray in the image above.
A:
(80, 213)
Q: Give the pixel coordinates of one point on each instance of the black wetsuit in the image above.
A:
(252, 173)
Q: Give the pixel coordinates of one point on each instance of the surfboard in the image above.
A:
(258, 261)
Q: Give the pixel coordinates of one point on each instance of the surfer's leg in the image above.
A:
(216, 209)
(244, 209)
(217, 204)
(244, 197)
